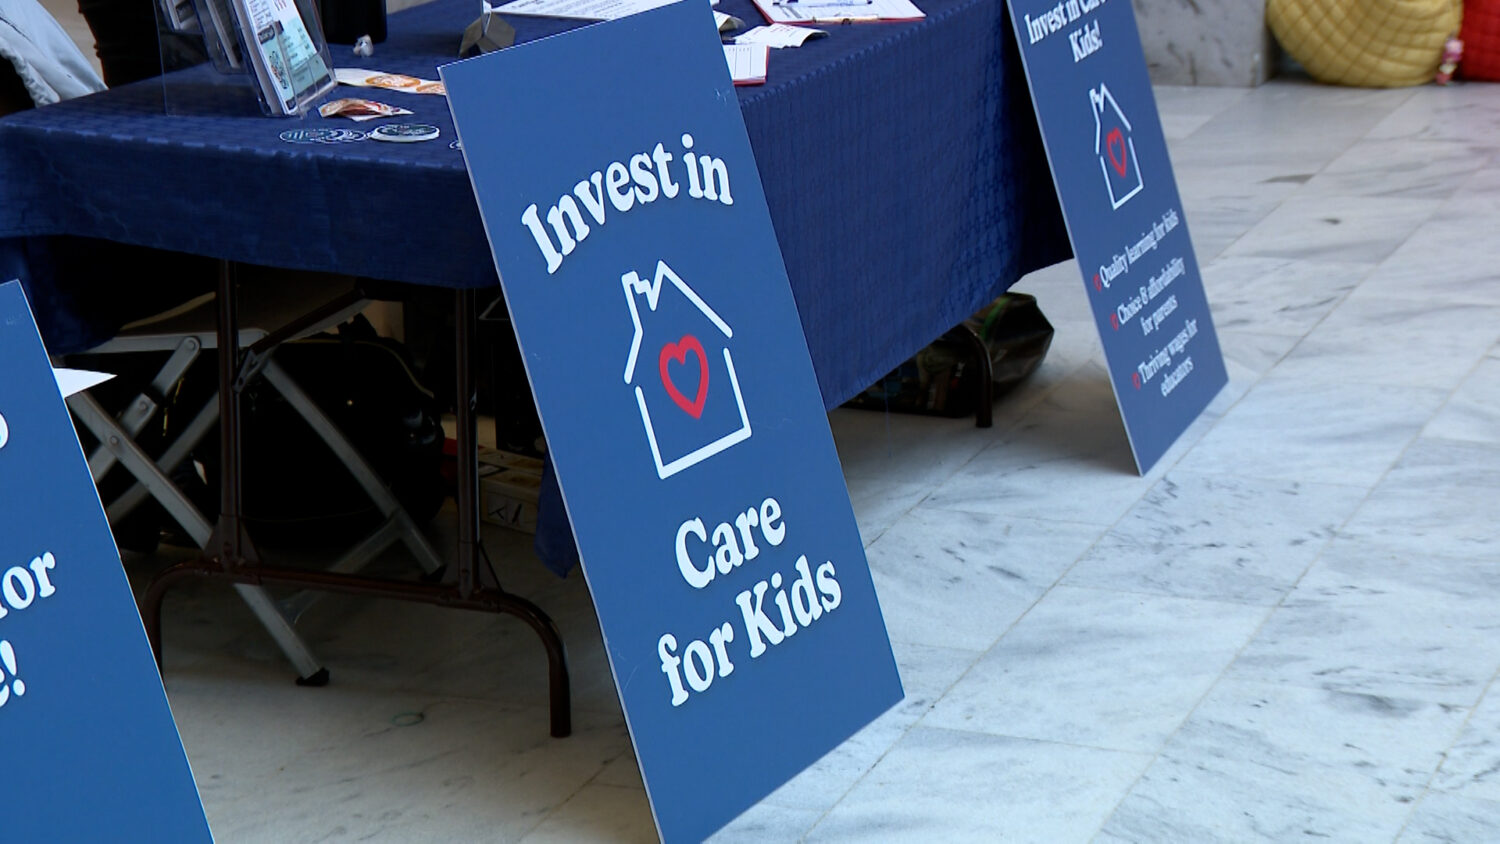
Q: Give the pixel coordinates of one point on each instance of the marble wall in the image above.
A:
(1206, 42)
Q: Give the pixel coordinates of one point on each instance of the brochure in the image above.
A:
(747, 63)
(803, 12)
(289, 64)
(591, 10)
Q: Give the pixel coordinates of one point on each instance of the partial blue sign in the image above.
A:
(667, 359)
(91, 753)
(1109, 162)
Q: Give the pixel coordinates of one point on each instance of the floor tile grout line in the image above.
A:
(1452, 394)
(1443, 754)
(1427, 786)
(1223, 252)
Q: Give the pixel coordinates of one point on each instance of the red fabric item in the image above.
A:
(1481, 36)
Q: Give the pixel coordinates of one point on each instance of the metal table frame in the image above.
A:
(230, 555)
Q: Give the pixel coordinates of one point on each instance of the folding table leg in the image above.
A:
(310, 672)
(126, 452)
(139, 464)
(470, 546)
(134, 418)
(230, 555)
(177, 452)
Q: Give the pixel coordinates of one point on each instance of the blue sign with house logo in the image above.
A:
(668, 363)
(685, 430)
(1109, 160)
(91, 752)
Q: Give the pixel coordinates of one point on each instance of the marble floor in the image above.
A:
(1289, 629)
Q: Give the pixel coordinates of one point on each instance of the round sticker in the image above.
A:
(310, 136)
(403, 133)
(345, 136)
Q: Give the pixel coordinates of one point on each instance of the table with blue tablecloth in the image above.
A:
(901, 162)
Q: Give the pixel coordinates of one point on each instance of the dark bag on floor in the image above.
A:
(943, 379)
(295, 489)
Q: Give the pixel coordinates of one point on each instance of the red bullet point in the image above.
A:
(1135, 378)
(1096, 281)
(1114, 322)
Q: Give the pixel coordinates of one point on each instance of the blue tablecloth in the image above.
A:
(901, 162)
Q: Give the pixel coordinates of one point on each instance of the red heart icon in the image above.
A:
(1114, 144)
(679, 351)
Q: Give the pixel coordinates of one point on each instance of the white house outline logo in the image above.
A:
(635, 287)
(1097, 100)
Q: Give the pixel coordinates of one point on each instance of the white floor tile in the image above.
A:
(1334, 228)
(1473, 413)
(1421, 344)
(950, 786)
(957, 579)
(598, 813)
(1369, 620)
(1431, 169)
(1329, 432)
(1185, 108)
(1464, 112)
(762, 823)
(1103, 669)
(1271, 763)
(1471, 767)
(1447, 819)
(1452, 258)
(905, 448)
(879, 502)
(1439, 499)
(1218, 537)
(1070, 448)
(400, 768)
(926, 675)
(1276, 295)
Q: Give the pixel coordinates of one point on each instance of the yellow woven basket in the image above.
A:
(1368, 43)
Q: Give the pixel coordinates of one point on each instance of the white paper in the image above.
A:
(834, 11)
(726, 23)
(70, 381)
(779, 35)
(747, 62)
(389, 81)
(588, 10)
